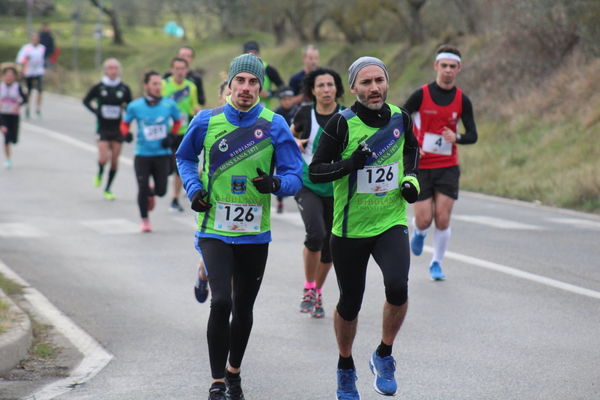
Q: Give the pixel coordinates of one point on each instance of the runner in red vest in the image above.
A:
(437, 107)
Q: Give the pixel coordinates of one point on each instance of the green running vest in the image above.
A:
(368, 202)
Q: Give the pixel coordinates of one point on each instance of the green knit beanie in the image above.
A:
(249, 63)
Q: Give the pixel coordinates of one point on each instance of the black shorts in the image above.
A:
(442, 180)
(176, 142)
(11, 122)
(317, 214)
(37, 80)
(110, 136)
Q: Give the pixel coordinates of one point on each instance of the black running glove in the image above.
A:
(128, 137)
(266, 183)
(168, 141)
(360, 156)
(409, 187)
(199, 203)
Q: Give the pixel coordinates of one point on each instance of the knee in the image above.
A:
(442, 221)
(314, 241)
(221, 305)
(397, 293)
(348, 310)
(160, 191)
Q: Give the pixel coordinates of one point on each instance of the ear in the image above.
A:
(353, 90)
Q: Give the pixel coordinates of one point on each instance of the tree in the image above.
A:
(413, 21)
(114, 21)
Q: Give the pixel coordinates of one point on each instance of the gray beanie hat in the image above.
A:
(249, 63)
(360, 64)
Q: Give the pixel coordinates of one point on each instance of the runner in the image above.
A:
(188, 53)
(315, 200)
(106, 100)
(12, 98)
(371, 155)
(310, 61)
(437, 107)
(183, 92)
(240, 141)
(31, 58)
(153, 114)
(267, 94)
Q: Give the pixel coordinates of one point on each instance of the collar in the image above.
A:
(239, 117)
(111, 82)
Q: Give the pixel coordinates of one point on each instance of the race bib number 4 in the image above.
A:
(155, 132)
(110, 112)
(233, 217)
(434, 143)
(377, 178)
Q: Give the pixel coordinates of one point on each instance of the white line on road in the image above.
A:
(111, 226)
(95, 357)
(495, 222)
(577, 223)
(18, 229)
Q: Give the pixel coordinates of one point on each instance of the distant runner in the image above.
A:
(12, 97)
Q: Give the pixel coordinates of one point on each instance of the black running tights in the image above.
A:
(156, 166)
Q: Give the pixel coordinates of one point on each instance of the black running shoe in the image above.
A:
(234, 386)
(217, 391)
(201, 288)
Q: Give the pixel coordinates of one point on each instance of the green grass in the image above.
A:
(5, 317)
(9, 287)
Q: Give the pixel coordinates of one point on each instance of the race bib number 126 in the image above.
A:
(377, 178)
(233, 217)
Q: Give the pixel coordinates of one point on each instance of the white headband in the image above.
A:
(450, 56)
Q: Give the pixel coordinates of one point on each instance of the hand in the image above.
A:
(266, 183)
(3, 129)
(360, 156)
(168, 141)
(410, 188)
(128, 137)
(449, 135)
(199, 201)
(302, 144)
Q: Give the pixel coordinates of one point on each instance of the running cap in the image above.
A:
(285, 92)
(251, 46)
(249, 63)
(360, 64)
(448, 56)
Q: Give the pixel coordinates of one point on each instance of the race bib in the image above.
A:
(377, 178)
(434, 143)
(155, 132)
(233, 217)
(9, 107)
(110, 112)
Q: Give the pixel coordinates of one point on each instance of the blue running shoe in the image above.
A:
(201, 289)
(383, 368)
(435, 270)
(416, 243)
(346, 390)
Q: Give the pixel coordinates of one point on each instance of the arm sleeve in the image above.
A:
(21, 55)
(299, 122)
(326, 165)
(273, 74)
(127, 96)
(470, 135)
(413, 103)
(129, 114)
(410, 154)
(91, 95)
(288, 161)
(200, 91)
(188, 152)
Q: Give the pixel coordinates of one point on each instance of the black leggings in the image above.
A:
(350, 258)
(317, 214)
(156, 166)
(234, 274)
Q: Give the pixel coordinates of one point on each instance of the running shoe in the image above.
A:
(217, 392)
(175, 206)
(346, 380)
(8, 164)
(435, 270)
(201, 289)
(318, 311)
(98, 180)
(308, 301)
(108, 195)
(146, 225)
(416, 243)
(383, 368)
(234, 387)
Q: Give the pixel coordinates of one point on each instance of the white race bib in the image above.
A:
(233, 217)
(377, 178)
(110, 112)
(434, 143)
(9, 107)
(155, 132)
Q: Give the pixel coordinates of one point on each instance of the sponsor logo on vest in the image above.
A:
(223, 146)
(119, 94)
(103, 93)
(238, 184)
(429, 111)
(223, 132)
(258, 133)
(396, 133)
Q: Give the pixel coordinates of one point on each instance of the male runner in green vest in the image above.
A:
(243, 145)
(370, 154)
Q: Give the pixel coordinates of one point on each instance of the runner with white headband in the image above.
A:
(436, 109)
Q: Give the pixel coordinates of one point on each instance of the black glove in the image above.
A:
(128, 138)
(266, 183)
(199, 203)
(360, 156)
(168, 141)
(409, 187)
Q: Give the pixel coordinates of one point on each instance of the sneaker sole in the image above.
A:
(372, 367)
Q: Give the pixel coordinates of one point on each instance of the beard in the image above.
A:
(364, 100)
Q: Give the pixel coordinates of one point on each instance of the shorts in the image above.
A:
(37, 80)
(442, 180)
(11, 122)
(176, 142)
(317, 214)
(110, 136)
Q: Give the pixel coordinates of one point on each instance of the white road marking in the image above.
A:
(95, 357)
(496, 222)
(577, 223)
(18, 229)
(113, 226)
(74, 142)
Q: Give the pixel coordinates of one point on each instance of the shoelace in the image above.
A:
(308, 296)
(347, 379)
(388, 366)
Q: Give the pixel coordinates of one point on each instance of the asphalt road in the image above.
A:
(481, 334)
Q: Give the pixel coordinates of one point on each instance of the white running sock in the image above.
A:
(422, 232)
(440, 244)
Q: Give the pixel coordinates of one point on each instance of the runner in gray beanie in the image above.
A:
(360, 64)
(249, 63)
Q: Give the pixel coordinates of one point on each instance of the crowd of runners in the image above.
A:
(352, 170)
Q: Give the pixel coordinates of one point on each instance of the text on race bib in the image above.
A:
(377, 178)
(110, 112)
(435, 143)
(233, 217)
(155, 132)
(9, 107)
